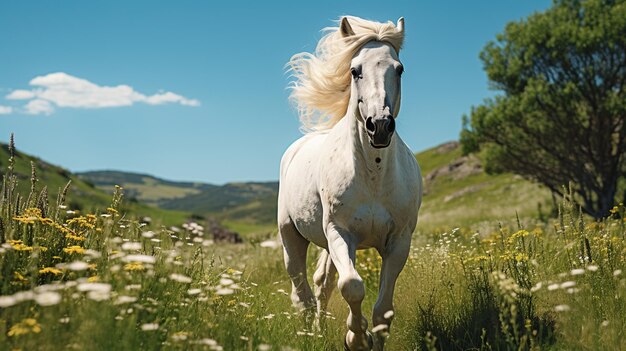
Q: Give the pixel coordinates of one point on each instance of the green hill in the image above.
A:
(83, 195)
(145, 188)
(244, 207)
(458, 192)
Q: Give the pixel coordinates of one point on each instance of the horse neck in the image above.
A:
(378, 162)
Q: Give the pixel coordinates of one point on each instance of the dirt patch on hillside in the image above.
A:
(460, 168)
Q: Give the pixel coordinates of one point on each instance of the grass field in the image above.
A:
(100, 280)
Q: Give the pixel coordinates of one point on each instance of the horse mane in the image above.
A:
(321, 90)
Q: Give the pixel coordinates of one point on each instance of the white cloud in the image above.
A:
(20, 95)
(38, 106)
(5, 110)
(63, 90)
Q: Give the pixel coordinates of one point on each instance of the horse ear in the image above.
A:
(400, 25)
(345, 28)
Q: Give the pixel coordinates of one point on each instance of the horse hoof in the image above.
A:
(370, 341)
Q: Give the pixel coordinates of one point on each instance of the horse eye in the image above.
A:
(400, 70)
(355, 73)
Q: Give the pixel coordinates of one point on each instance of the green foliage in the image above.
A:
(562, 114)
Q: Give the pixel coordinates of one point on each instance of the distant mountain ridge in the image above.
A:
(252, 201)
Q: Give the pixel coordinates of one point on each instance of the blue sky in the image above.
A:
(203, 94)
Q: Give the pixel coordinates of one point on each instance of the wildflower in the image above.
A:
(131, 246)
(521, 257)
(111, 211)
(180, 336)
(18, 245)
(180, 278)
(149, 326)
(271, 244)
(226, 281)
(19, 277)
(74, 249)
(568, 284)
(519, 234)
(561, 308)
(194, 291)
(140, 258)
(74, 237)
(122, 299)
(553, 287)
(93, 279)
(592, 268)
(7, 301)
(536, 287)
(577, 271)
(99, 287)
(51, 270)
(76, 266)
(617, 272)
(48, 298)
(224, 291)
(26, 326)
(264, 347)
(134, 266)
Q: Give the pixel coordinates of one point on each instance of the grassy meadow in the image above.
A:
(99, 279)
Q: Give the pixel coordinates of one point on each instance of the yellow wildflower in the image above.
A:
(74, 249)
(521, 257)
(93, 279)
(19, 277)
(26, 326)
(134, 266)
(52, 270)
(519, 234)
(111, 210)
(83, 221)
(18, 245)
(75, 237)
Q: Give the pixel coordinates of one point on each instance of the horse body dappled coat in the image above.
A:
(351, 182)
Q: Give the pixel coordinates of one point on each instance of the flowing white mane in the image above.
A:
(321, 90)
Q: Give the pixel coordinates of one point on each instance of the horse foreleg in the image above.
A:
(394, 258)
(295, 248)
(342, 249)
(324, 279)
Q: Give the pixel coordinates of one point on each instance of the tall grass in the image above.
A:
(102, 281)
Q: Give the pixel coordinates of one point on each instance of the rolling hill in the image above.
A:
(251, 203)
(82, 195)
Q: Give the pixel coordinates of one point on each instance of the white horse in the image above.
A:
(350, 183)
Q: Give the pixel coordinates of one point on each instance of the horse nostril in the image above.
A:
(369, 125)
(391, 126)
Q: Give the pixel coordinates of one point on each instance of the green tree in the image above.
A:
(562, 108)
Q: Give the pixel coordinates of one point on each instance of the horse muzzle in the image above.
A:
(380, 130)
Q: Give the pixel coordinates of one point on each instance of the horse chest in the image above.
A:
(371, 223)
